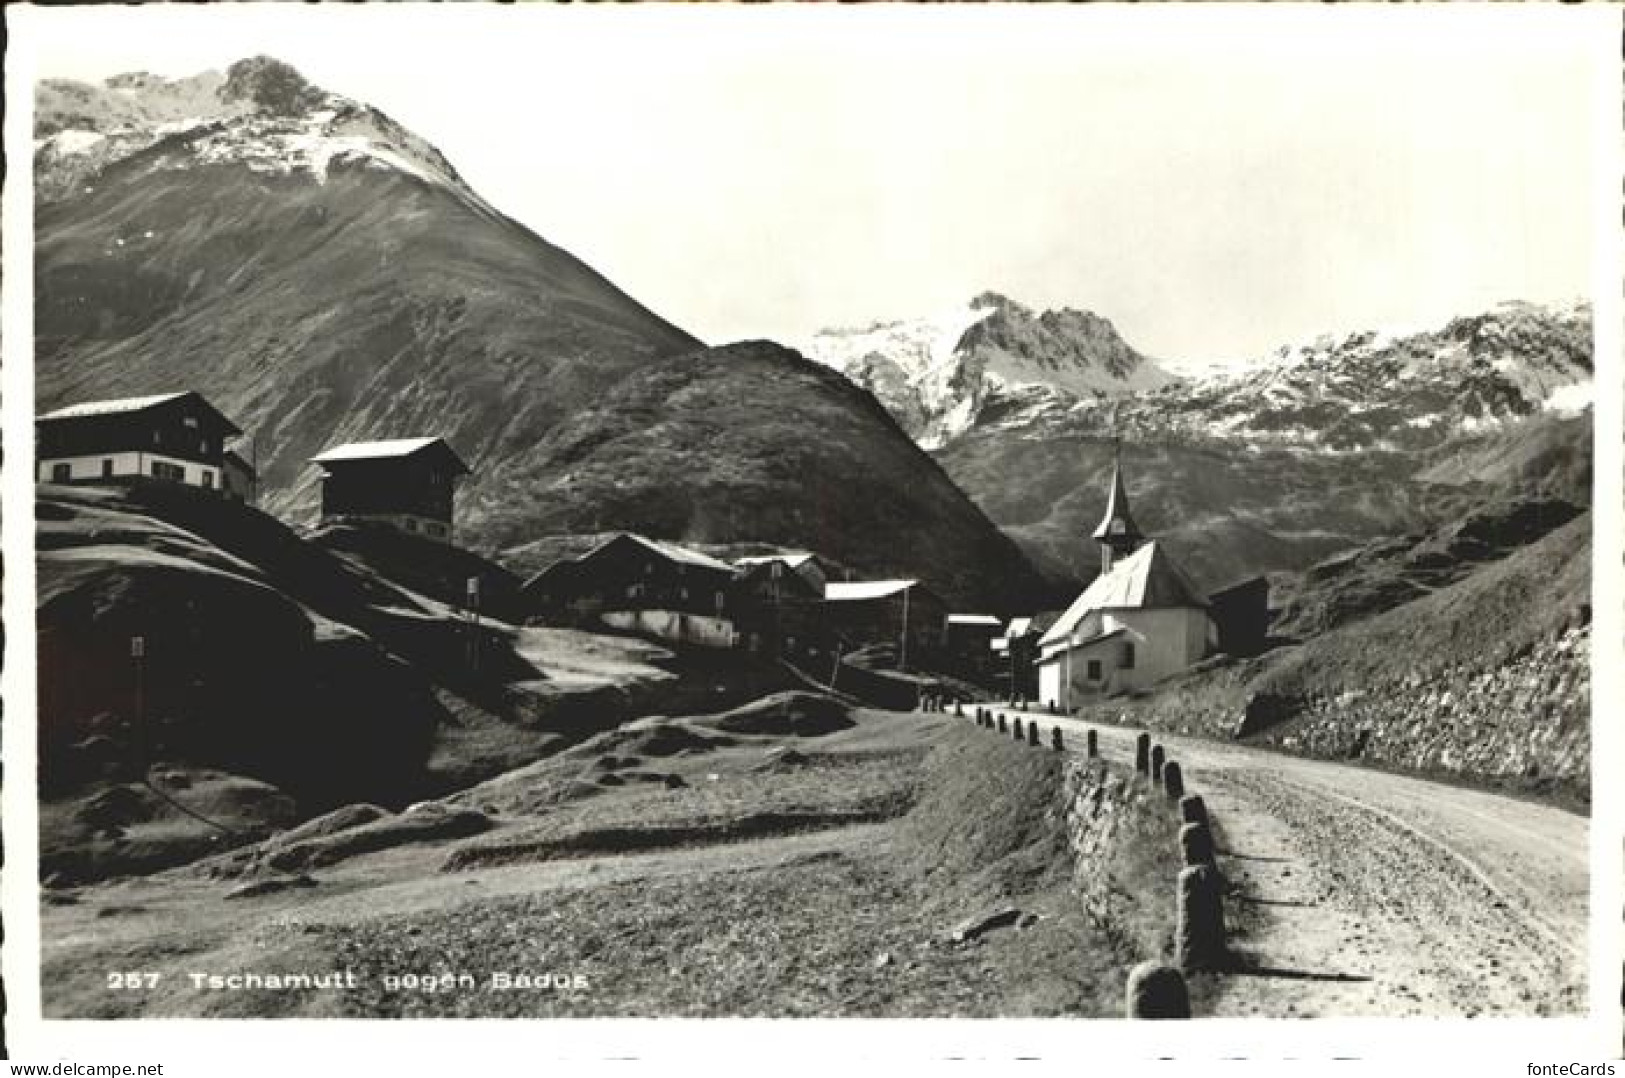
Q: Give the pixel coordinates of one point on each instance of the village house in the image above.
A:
(969, 642)
(645, 585)
(902, 614)
(406, 483)
(780, 601)
(1016, 654)
(809, 568)
(1141, 619)
(167, 438)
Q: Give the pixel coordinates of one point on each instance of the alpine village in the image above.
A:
(426, 628)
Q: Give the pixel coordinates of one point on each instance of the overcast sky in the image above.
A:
(1216, 182)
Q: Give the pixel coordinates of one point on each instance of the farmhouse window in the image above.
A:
(1094, 670)
(719, 602)
(61, 473)
(190, 421)
(172, 473)
(107, 467)
(1128, 657)
(208, 479)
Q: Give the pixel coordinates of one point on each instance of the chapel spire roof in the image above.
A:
(1117, 528)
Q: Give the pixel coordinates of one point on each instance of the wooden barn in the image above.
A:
(809, 568)
(902, 614)
(167, 438)
(779, 607)
(407, 483)
(968, 641)
(641, 584)
(1241, 612)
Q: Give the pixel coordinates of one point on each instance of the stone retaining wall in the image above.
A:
(1125, 849)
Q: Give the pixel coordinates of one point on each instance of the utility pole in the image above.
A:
(473, 601)
(902, 652)
(138, 651)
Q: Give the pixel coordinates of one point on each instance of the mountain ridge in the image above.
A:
(324, 276)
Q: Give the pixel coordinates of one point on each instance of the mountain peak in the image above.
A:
(270, 85)
(987, 361)
(997, 300)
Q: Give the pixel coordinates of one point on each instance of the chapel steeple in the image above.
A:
(1117, 534)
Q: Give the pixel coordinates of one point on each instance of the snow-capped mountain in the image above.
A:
(941, 375)
(1317, 447)
(261, 114)
(1375, 390)
(323, 275)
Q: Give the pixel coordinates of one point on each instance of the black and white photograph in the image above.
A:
(1019, 521)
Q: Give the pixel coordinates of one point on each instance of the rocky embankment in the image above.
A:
(1524, 724)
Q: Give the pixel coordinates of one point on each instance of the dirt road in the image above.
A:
(1358, 892)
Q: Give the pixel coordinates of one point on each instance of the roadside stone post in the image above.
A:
(1016, 727)
(1091, 742)
(1192, 809)
(1002, 726)
(959, 709)
(1142, 754)
(1173, 780)
(1157, 757)
(1196, 845)
(1032, 733)
(1157, 991)
(1199, 933)
(1055, 739)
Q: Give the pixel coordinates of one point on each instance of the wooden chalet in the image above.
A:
(642, 584)
(406, 483)
(968, 641)
(904, 614)
(167, 438)
(779, 604)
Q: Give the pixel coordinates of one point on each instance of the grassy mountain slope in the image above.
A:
(751, 439)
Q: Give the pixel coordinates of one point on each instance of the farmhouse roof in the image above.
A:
(669, 551)
(129, 405)
(856, 591)
(1146, 578)
(974, 619)
(794, 561)
(391, 449)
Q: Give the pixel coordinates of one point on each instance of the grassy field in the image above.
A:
(778, 876)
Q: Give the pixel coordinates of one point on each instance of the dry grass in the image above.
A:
(846, 920)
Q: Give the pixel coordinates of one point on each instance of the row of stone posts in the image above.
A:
(1156, 990)
(1028, 732)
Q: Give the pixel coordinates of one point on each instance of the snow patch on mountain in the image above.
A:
(1354, 392)
(991, 361)
(260, 114)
